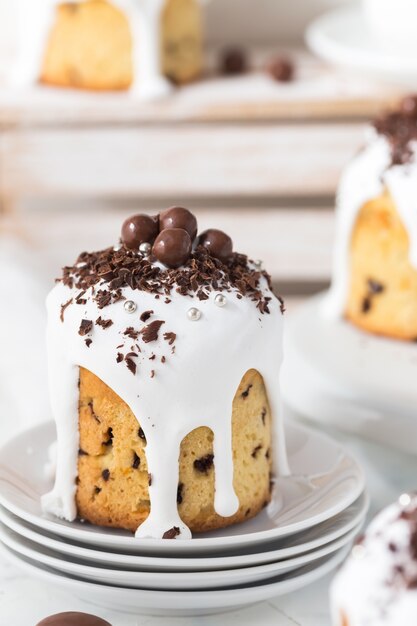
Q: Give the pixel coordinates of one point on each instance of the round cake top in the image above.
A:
(378, 583)
(72, 618)
(161, 254)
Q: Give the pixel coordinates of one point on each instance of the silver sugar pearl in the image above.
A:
(220, 300)
(194, 314)
(117, 248)
(130, 306)
(145, 248)
(258, 265)
(404, 499)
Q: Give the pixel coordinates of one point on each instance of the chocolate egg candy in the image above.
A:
(178, 217)
(281, 69)
(217, 243)
(73, 619)
(233, 61)
(139, 229)
(172, 247)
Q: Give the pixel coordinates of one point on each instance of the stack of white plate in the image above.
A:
(304, 533)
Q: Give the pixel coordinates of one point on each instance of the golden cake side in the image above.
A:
(113, 479)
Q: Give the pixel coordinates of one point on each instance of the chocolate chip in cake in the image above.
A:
(247, 512)
(110, 437)
(263, 415)
(136, 461)
(268, 453)
(171, 533)
(141, 435)
(366, 304)
(255, 451)
(82, 452)
(86, 327)
(375, 287)
(146, 315)
(246, 392)
(97, 490)
(93, 414)
(180, 490)
(204, 464)
(105, 474)
(150, 480)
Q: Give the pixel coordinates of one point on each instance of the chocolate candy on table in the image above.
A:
(233, 61)
(139, 229)
(217, 243)
(178, 217)
(280, 69)
(172, 247)
(73, 619)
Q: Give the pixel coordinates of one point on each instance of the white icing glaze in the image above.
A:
(366, 177)
(194, 387)
(365, 589)
(35, 20)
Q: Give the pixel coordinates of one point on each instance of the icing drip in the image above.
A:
(366, 177)
(35, 21)
(192, 386)
(377, 585)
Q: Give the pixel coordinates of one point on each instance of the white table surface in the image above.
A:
(25, 601)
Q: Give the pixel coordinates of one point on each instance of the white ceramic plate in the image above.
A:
(277, 550)
(325, 480)
(371, 391)
(179, 603)
(342, 37)
(183, 581)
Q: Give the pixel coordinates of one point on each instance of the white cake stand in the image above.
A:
(335, 374)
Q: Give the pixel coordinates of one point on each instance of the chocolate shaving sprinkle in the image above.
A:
(63, 308)
(145, 316)
(163, 359)
(150, 332)
(204, 464)
(131, 332)
(88, 342)
(400, 129)
(131, 365)
(180, 490)
(86, 327)
(171, 533)
(136, 461)
(104, 323)
(112, 270)
(105, 474)
(170, 337)
(119, 357)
